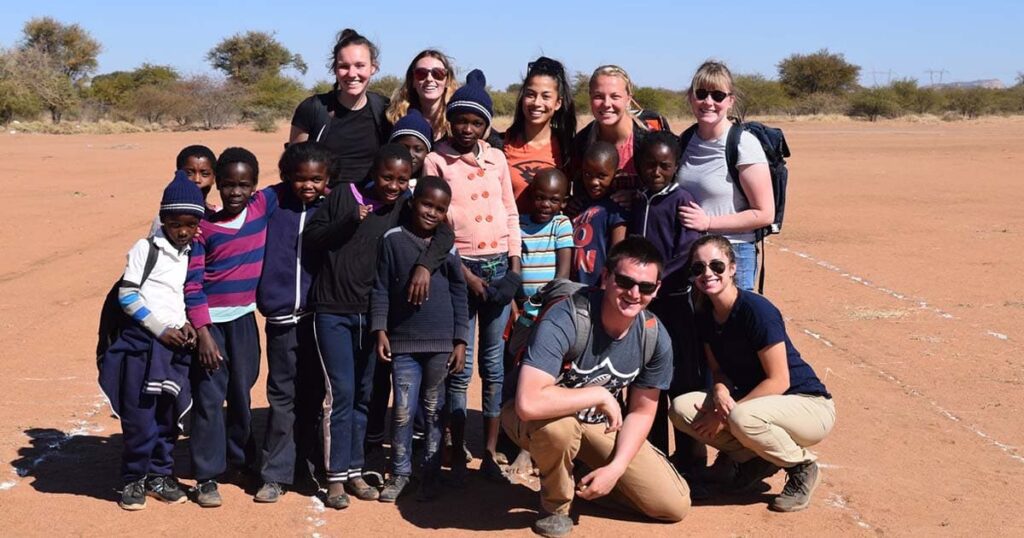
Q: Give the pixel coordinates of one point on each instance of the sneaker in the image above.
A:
(133, 496)
(751, 473)
(336, 496)
(165, 488)
(207, 495)
(358, 488)
(800, 484)
(553, 525)
(393, 488)
(270, 492)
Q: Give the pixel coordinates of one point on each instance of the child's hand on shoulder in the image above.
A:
(624, 198)
(457, 359)
(383, 347)
(476, 285)
(364, 210)
(419, 285)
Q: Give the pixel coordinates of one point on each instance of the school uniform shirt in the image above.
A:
(431, 327)
(541, 241)
(754, 324)
(159, 303)
(592, 230)
(483, 211)
(655, 217)
(524, 161)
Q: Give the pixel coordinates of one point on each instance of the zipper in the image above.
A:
(298, 263)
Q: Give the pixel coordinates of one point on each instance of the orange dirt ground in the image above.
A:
(899, 271)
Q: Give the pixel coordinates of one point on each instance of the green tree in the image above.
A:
(386, 84)
(322, 86)
(759, 95)
(116, 89)
(971, 102)
(69, 46)
(274, 96)
(820, 72)
(16, 101)
(252, 56)
(665, 102)
(872, 103)
(514, 88)
(45, 79)
(581, 92)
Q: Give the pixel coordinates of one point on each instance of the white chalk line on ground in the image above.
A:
(315, 520)
(836, 500)
(918, 302)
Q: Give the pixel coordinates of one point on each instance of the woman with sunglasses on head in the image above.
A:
(429, 84)
(767, 405)
(543, 125)
(732, 206)
(349, 120)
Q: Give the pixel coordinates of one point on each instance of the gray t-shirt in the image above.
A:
(613, 364)
(705, 174)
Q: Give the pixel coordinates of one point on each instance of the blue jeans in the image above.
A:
(347, 356)
(746, 264)
(410, 374)
(492, 320)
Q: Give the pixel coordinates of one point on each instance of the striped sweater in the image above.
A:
(226, 263)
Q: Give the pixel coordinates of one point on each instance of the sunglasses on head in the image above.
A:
(698, 268)
(544, 65)
(439, 73)
(718, 95)
(626, 283)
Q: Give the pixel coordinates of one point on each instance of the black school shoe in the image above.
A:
(269, 492)
(133, 496)
(800, 484)
(207, 495)
(166, 489)
(393, 488)
(358, 488)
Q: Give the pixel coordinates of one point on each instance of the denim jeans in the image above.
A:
(492, 319)
(746, 264)
(418, 381)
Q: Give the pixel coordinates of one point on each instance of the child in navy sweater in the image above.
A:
(423, 342)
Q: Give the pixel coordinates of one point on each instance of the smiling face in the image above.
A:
(236, 187)
(547, 195)
(391, 180)
(609, 100)
(429, 208)
(467, 128)
(709, 282)
(429, 77)
(353, 68)
(629, 302)
(597, 175)
(540, 99)
(707, 110)
(657, 167)
(308, 181)
(180, 228)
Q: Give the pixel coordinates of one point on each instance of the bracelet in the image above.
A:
(708, 229)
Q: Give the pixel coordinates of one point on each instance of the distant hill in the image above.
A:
(992, 83)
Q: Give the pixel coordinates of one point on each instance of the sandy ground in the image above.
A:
(898, 270)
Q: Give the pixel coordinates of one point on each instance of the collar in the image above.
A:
(451, 154)
(161, 242)
(671, 187)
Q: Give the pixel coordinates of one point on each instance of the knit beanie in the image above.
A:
(182, 197)
(413, 124)
(472, 97)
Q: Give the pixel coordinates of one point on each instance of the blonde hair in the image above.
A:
(712, 75)
(405, 96)
(612, 71)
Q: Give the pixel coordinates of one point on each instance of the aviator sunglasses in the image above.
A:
(439, 73)
(697, 268)
(626, 283)
(718, 95)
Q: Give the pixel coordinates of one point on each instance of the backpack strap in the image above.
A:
(732, 151)
(151, 258)
(685, 137)
(580, 307)
(650, 338)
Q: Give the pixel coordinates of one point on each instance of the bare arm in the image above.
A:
(756, 182)
(538, 398)
(776, 369)
(643, 403)
(563, 262)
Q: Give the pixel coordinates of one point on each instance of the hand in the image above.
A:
(709, 423)
(364, 210)
(383, 347)
(476, 286)
(419, 285)
(610, 408)
(692, 216)
(457, 359)
(190, 336)
(173, 338)
(724, 404)
(599, 482)
(209, 354)
(624, 198)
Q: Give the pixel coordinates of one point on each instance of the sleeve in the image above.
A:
(432, 165)
(440, 246)
(551, 339)
(460, 297)
(563, 233)
(616, 215)
(765, 325)
(657, 374)
(334, 223)
(508, 199)
(196, 306)
(129, 295)
(304, 115)
(749, 150)
(380, 296)
(684, 238)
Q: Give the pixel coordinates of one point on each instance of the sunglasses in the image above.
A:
(439, 73)
(717, 95)
(626, 283)
(697, 268)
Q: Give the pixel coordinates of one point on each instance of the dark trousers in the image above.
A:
(216, 442)
(295, 391)
(348, 361)
(419, 387)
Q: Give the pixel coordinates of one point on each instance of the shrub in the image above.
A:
(759, 95)
(874, 103)
(820, 72)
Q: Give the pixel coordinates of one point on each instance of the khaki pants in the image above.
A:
(776, 428)
(650, 485)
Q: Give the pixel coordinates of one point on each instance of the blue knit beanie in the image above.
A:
(413, 124)
(182, 197)
(472, 97)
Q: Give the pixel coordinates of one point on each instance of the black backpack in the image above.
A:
(113, 320)
(776, 150)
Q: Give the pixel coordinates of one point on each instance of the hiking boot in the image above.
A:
(751, 473)
(358, 488)
(336, 496)
(800, 484)
(270, 492)
(133, 496)
(165, 488)
(553, 525)
(393, 488)
(207, 495)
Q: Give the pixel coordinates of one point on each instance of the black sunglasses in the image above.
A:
(718, 95)
(626, 283)
(698, 268)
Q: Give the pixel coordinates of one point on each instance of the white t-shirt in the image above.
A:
(705, 174)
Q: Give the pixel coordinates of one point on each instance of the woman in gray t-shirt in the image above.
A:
(724, 205)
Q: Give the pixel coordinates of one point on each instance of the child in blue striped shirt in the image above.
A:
(547, 233)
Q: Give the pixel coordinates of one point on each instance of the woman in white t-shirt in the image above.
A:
(724, 205)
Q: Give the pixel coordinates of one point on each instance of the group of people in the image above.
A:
(406, 239)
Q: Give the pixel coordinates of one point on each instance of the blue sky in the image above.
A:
(659, 42)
